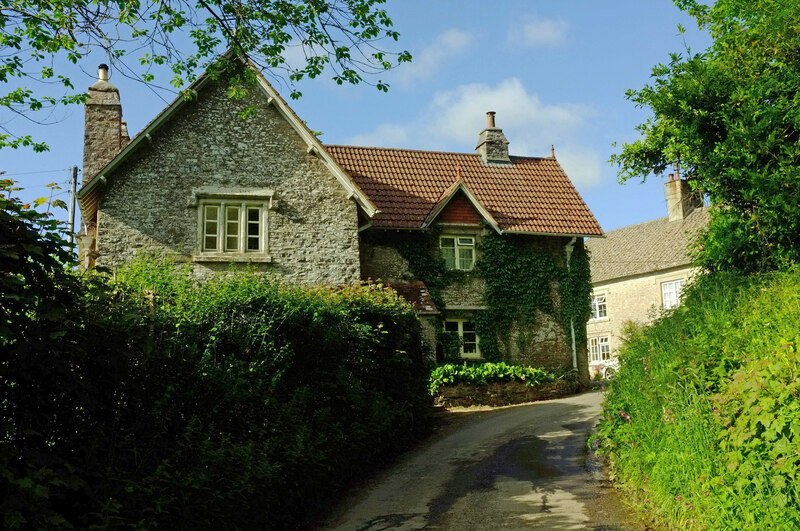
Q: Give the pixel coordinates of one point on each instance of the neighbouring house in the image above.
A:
(210, 189)
(640, 269)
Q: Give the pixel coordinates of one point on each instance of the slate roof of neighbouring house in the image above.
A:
(532, 195)
(647, 247)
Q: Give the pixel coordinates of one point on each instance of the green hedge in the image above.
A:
(156, 402)
(702, 423)
(486, 373)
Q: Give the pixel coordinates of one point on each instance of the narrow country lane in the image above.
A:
(520, 467)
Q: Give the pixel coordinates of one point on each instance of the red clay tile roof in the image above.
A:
(417, 295)
(530, 195)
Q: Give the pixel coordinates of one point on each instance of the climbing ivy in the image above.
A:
(576, 293)
(420, 250)
(518, 282)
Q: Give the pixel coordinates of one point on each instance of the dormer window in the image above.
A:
(458, 252)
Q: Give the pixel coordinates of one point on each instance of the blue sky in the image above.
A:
(555, 72)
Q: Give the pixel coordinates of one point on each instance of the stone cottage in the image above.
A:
(641, 269)
(211, 188)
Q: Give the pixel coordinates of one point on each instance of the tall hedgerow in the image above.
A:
(241, 402)
(701, 425)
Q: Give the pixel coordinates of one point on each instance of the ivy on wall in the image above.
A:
(576, 293)
(420, 250)
(518, 282)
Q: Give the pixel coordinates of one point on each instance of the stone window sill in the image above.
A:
(233, 257)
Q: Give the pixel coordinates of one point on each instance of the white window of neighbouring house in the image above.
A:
(464, 329)
(599, 349)
(233, 226)
(599, 307)
(671, 293)
(458, 252)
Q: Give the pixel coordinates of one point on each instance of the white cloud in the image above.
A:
(426, 62)
(536, 32)
(454, 118)
(583, 165)
(385, 135)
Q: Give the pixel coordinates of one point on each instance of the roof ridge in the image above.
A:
(428, 151)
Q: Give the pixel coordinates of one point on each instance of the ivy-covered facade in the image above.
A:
(515, 298)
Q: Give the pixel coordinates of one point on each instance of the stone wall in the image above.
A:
(503, 393)
(148, 202)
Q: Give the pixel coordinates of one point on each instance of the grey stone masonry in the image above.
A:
(492, 144)
(153, 200)
(104, 131)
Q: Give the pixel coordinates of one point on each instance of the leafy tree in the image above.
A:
(732, 116)
(289, 39)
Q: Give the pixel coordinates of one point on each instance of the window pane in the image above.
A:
(253, 229)
(465, 259)
(447, 242)
(232, 228)
(449, 257)
(468, 326)
(470, 347)
(466, 241)
(210, 227)
(451, 326)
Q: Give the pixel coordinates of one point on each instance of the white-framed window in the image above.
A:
(233, 226)
(458, 252)
(468, 340)
(671, 293)
(599, 307)
(599, 349)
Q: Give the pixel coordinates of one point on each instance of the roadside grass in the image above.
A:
(702, 424)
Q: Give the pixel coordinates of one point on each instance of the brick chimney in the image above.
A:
(492, 143)
(104, 132)
(681, 199)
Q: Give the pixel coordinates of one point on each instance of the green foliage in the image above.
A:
(139, 37)
(518, 283)
(238, 403)
(34, 285)
(486, 373)
(731, 115)
(576, 293)
(700, 423)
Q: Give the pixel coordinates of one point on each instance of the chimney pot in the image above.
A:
(671, 176)
(102, 72)
(490, 118)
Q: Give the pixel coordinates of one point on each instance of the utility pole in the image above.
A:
(72, 204)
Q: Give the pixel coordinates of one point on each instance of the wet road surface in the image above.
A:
(519, 467)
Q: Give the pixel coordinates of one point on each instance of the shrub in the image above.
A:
(238, 403)
(701, 421)
(485, 373)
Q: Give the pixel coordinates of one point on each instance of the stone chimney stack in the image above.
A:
(492, 143)
(681, 199)
(104, 132)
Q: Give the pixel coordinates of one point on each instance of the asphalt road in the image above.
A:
(519, 467)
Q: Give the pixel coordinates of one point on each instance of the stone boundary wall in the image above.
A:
(503, 393)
